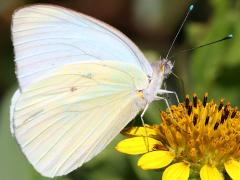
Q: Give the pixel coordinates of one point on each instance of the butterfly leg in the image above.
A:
(166, 101)
(174, 121)
(163, 91)
(144, 125)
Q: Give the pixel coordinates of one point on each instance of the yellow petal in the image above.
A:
(208, 172)
(233, 169)
(141, 131)
(155, 160)
(137, 145)
(177, 171)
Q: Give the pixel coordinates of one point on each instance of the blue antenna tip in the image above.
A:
(191, 7)
(230, 35)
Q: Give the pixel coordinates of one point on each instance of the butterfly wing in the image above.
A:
(14, 99)
(66, 119)
(46, 37)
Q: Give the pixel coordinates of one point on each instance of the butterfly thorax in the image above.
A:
(161, 70)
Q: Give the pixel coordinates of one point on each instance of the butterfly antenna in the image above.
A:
(230, 36)
(175, 38)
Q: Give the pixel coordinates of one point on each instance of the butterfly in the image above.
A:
(81, 82)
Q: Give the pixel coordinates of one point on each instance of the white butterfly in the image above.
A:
(81, 82)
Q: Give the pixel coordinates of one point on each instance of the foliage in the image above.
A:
(215, 69)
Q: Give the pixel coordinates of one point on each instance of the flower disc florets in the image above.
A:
(198, 135)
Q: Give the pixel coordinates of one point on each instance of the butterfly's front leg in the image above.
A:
(158, 98)
(163, 91)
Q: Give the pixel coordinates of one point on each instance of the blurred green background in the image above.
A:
(151, 24)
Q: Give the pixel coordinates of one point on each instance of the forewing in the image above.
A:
(47, 37)
(66, 119)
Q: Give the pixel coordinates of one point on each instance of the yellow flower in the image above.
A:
(198, 139)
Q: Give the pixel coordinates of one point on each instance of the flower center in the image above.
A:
(202, 132)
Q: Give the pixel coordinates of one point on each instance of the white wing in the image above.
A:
(12, 107)
(66, 119)
(47, 37)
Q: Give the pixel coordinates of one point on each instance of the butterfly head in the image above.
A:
(166, 67)
(161, 70)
